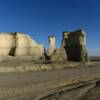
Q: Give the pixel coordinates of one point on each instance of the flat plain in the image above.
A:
(68, 83)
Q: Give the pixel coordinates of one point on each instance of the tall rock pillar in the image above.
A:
(52, 46)
(75, 45)
(65, 37)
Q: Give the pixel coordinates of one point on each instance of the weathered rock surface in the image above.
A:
(19, 44)
(75, 45)
(56, 55)
(59, 56)
(52, 46)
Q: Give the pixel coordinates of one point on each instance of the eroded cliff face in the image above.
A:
(52, 46)
(5, 43)
(75, 45)
(19, 44)
(56, 55)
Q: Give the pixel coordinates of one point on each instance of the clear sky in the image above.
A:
(41, 18)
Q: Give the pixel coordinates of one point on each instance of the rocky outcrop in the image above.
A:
(59, 56)
(75, 45)
(5, 43)
(52, 46)
(19, 44)
(56, 55)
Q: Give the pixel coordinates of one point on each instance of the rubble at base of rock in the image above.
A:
(59, 56)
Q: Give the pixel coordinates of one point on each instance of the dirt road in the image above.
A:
(37, 85)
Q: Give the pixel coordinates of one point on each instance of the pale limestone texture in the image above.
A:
(65, 36)
(52, 45)
(56, 55)
(59, 56)
(5, 43)
(19, 44)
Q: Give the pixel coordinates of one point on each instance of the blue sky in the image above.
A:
(41, 18)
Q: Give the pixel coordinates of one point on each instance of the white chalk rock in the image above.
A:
(5, 43)
(24, 45)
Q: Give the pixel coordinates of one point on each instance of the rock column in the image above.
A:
(75, 45)
(52, 46)
(65, 37)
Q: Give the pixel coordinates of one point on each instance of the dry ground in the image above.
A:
(70, 83)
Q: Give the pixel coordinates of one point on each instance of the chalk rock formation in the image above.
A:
(52, 46)
(19, 44)
(5, 43)
(56, 55)
(65, 37)
(59, 56)
(75, 45)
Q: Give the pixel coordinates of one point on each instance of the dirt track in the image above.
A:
(38, 85)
